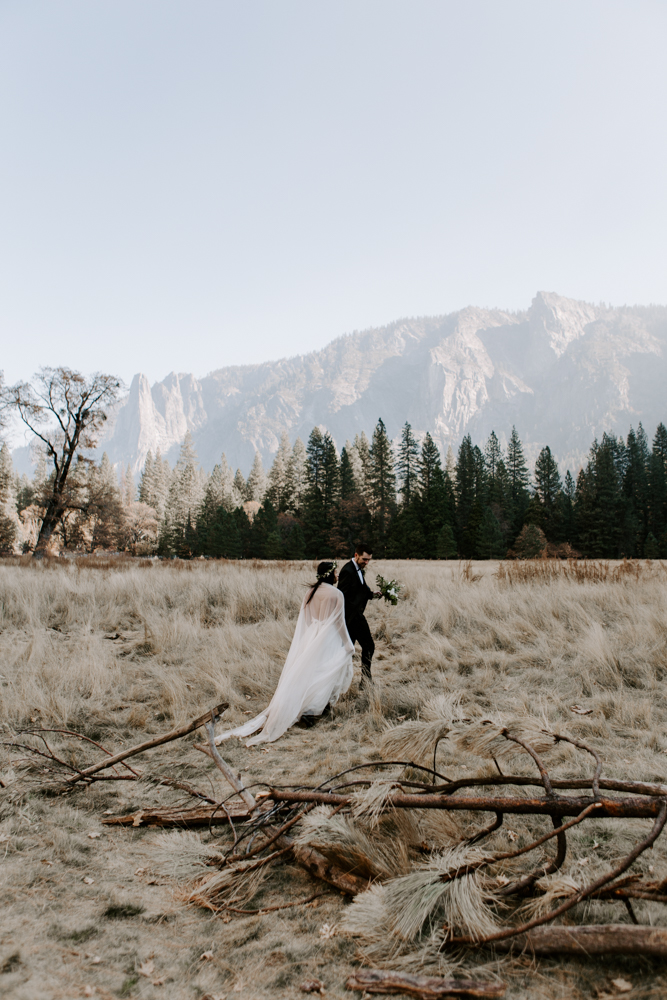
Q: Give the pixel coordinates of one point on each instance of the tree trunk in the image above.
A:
(425, 987)
(590, 939)
(47, 529)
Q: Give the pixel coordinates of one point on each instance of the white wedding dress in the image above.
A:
(318, 669)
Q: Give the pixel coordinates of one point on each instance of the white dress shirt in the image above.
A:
(358, 569)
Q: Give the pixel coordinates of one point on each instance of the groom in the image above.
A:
(357, 594)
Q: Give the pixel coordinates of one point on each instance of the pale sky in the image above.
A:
(187, 185)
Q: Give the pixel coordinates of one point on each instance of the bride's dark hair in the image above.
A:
(326, 573)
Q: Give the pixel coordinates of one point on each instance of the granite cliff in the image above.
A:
(563, 372)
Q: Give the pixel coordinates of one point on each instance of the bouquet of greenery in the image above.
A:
(389, 589)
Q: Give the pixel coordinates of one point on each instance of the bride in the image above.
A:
(318, 668)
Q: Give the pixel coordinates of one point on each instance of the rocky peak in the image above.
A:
(563, 372)
(562, 320)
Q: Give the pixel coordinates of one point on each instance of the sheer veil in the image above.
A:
(318, 668)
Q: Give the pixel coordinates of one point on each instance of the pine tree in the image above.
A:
(492, 456)
(584, 513)
(127, 487)
(147, 481)
(321, 494)
(244, 531)
(222, 540)
(231, 498)
(567, 508)
(163, 475)
(102, 510)
(241, 487)
(599, 505)
(651, 549)
(363, 449)
(547, 494)
(356, 466)
(257, 482)
(265, 525)
(330, 474)
(315, 451)
(186, 494)
(446, 543)
(490, 542)
(434, 499)
(277, 481)
(296, 478)
(429, 466)
(407, 465)
(348, 486)
(635, 493)
(291, 537)
(382, 485)
(406, 539)
(518, 480)
(155, 483)
(660, 443)
(657, 491)
(218, 493)
(608, 501)
(468, 513)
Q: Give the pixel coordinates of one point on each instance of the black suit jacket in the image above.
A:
(356, 594)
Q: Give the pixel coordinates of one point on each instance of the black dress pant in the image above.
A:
(361, 633)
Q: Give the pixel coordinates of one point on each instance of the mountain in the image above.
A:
(562, 371)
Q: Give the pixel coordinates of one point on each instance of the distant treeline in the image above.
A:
(315, 503)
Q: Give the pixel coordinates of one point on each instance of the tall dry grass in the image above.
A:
(128, 649)
(118, 650)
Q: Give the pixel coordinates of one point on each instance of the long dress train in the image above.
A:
(318, 669)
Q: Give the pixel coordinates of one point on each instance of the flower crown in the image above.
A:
(323, 576)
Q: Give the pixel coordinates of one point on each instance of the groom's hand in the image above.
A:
(377, 593)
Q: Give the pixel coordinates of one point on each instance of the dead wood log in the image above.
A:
(320, 867)
(175, 734)
(313, 862)
(590, 939)
(183, 818)
(559, 805)
(609, 784)
(425, 987)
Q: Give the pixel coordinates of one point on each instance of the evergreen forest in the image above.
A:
(400, 498)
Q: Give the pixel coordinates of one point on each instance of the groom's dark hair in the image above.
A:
(361, 547)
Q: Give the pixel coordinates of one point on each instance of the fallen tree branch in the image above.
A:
(628, 808)
(185, 786)
(590, 939)
(175, 734)
(425, 987)
(183, 818)
(579, 896)
(280, 906)
(79, 736)
(609, 784)
(314, 862)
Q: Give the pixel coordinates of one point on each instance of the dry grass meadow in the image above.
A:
(118, 652)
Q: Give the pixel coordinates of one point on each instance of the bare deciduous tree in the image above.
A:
(65, 410)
